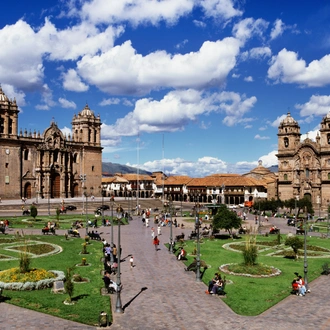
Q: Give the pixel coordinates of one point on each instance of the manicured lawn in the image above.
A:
(88, 300)
(250, 295)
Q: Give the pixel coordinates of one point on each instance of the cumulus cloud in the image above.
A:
(277, 29)
(248, 79)
(248, 28)
(66, 131)
(122, 71)
(136, 12)
(66, 103)
(205, 165)
(259, 137)
(111, 101)
(318, 105)
(278, 120)
(220, 9)
(46, 99)
(72, 82)
(12, 93)
(287, 68)
(178, 108)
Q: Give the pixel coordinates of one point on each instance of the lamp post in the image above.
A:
(111, 236)
(86, 195)
(328, 224)
(119, 308)
(171, 227)
(198, 260)
(181, 204)
(102, 194)
(305, 251)
(49, 203)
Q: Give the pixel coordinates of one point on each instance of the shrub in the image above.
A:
(296, 243)
(68, 285)
(24, 261)
(250, 250)
(84, 249)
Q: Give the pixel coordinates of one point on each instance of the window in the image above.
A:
(7, 164)
(286, 142)
(307, 173)
(285, 177)
(93, 168)
(328, 176)
(26, 154)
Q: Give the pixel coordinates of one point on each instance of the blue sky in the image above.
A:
(190, 87)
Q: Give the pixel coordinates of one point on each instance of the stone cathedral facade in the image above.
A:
(49, 165)
(304, 166)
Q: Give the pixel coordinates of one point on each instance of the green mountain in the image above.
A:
(109, 169)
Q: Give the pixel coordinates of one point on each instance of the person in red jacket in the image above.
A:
(155, 242)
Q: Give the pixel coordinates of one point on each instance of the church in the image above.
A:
(49, 164)
(304, 166)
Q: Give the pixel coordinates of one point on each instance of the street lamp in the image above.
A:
(171, 228)
(119, 308)
(181, 204)
(102, 195)
(305, 250)
(198, 260)
(111, 237)
(86, 195)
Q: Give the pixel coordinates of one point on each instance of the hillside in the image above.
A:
(109, 169)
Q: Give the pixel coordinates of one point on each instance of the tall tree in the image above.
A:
(226, 219)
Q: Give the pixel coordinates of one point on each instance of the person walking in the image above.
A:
(159, 230)
(131, 261)
(156, 242)
(152, 232)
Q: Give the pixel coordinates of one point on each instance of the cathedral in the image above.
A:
(304, 166)
(49, 165)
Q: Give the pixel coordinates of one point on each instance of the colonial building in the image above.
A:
(49, 165)
(304, 166)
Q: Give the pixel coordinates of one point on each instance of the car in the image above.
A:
(71, 208)
(104, 207)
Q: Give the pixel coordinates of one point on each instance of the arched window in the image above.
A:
(307, 173)
(26, 154)
(286, 142)
(285, 177)
(328, 138)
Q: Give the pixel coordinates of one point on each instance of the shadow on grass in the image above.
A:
(129, 302)
(81, 296)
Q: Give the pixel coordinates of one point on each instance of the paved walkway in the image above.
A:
(174, 300)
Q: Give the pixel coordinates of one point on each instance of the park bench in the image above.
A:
(179, 237)
(95, 236)
(3, 230)
(73, 233)
(47, 230)
(192, 235)
(300, 231)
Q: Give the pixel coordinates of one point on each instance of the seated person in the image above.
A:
(212, 282)
(192, 266)
(295, 286)
(182, 254)
(218, 285)
(109, 284)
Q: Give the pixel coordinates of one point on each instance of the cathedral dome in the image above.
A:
(288, 121)
(87, 112)
(3, 97)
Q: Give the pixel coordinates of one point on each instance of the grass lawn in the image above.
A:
(250, 295)
(88, 300)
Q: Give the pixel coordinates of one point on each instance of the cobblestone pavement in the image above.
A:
(159, 294)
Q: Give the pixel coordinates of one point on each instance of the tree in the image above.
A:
(296, 243)
(226, 219)
(69, 286)
(34, 211)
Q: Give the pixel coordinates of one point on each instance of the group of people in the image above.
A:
(298, 286)
(216, 284)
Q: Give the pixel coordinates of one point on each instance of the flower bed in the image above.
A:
(38, 285)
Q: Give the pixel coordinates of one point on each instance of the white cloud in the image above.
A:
(259, 137)
(248, 79)
(66, 103)
(277, 121)
(72, 82)
(249, 27)
(220, 9)
(205, 165)
(318, 105)
(277, 29)
(287, 68)
(136, 12)
(260, 52)
(181, 44)
(66, 131)
(12, 93)
(110, 101)
(177, 109)
(122, 71)
(46, 99)
(199, 23)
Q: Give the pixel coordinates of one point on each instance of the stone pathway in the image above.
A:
(172, 299)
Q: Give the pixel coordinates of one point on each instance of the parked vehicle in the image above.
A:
(71, 208)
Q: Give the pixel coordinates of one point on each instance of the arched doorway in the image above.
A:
(27, 190)
(75, 190)
(56, 186)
